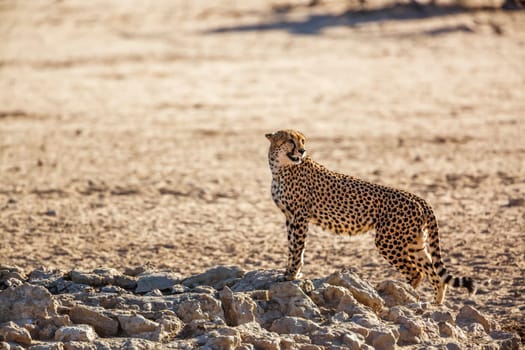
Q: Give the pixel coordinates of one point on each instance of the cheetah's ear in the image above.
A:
(270, 136)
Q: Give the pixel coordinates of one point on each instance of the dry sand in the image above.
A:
(132, 132)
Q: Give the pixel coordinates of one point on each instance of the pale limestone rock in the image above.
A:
(410, 331)
(257, 280)
(77, 345)
(353, 341)
(149, 281)
(293, 325)
(98, 277)
(104, 325)
(238, 307)
(362, 291)
(192, 306)
(396, 293)
(338, 299)
(26, 302)
(260, 338)
(46, 328)
(223, 338)
(293, 301)
(11, 272)
(382, 338)
(469, 314)
(442, 316)
(447, 330)
(216, 277)
(137, 326)
(45, 346)
(171, 324)
(12, 332)
(80, 332)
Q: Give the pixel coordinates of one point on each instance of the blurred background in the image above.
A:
(132, 132)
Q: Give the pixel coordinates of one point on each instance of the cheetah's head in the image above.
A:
(286, 148)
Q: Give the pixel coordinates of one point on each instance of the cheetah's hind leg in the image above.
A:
(401, 262)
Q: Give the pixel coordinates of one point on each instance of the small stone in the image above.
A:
(10, 331)
(45, 346)
(12, 283)
(293, 301)
(468, 314)
(382, 339)
(191, 307)
(104, 325)
(410, 331)
(224, 339)
(506, 340)
(327, 336)
(98, 277)
(126, 282)
(396, 293)
(238, 307)
(171, 324)
(446, 330)
(26, 302)
(216, 277)
(80, 332)
(15, 272)
(149, 281)
(367, 320)
(257, 280)
(154, 293)
(293, 325)
(135, 324)
(76, 345)
(260, 338)
(113, 290)
(353, 341)
(362, 291)
(453, 346)
(204, 289)
(442, 316)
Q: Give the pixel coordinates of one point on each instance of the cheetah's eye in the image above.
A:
(291, 141)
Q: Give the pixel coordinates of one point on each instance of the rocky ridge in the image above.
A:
(228, 308)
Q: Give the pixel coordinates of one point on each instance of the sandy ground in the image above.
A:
(133, 132)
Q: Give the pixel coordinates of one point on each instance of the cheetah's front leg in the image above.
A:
(297, 230)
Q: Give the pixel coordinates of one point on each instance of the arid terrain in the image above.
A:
(133, 132)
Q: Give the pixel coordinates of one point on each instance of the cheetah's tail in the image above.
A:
(456, 282)
(435, 251)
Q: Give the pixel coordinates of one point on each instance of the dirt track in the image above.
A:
(134, 133)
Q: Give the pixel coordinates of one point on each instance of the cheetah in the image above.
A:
(405, 225)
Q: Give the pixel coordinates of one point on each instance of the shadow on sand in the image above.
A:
(315, 23)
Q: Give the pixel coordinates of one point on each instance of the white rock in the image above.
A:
(193, 306)
(26, 302)
(12, 332)
(293, 325)
(238, 307)
(382, 338)
(216, 277)
(468, 314)
(149, 281)
(362, 291)
(396, 293)
(293, 301)
(80, 332)
(135, 324)
(104, 325)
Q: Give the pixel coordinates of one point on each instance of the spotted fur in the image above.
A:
(405, 225)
